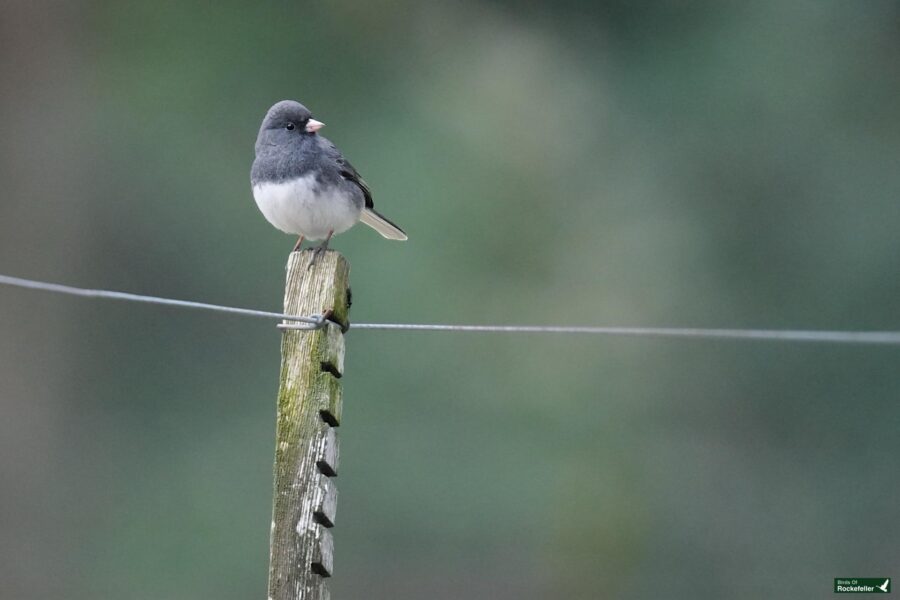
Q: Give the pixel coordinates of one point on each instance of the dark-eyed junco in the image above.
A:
(303, 184)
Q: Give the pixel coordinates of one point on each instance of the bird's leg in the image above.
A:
(297, 245)
(321, 248)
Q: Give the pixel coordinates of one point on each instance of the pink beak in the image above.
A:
(313, 126)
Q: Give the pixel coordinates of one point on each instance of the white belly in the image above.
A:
(301, 207)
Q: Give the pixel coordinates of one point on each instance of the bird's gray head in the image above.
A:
(287, 122)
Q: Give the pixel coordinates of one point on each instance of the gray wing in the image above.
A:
(348, 172)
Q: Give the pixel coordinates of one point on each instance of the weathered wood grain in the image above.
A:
(306, 447)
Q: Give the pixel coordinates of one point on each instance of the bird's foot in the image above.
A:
(318, 250)
(297, 245)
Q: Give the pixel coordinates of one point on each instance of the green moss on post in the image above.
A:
(306, 447)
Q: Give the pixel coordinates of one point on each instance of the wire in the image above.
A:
(317, 321)
(786, 335)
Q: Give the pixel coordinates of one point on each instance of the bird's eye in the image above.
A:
(289, 126)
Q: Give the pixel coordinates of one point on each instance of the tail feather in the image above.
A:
(381, 224)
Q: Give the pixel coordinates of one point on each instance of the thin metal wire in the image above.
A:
(314, 321)
(317, 321)
(785, 335)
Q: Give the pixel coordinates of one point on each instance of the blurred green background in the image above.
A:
(701, 164)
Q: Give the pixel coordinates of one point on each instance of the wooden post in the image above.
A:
(306, 447)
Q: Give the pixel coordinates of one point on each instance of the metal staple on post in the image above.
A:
(306, 446)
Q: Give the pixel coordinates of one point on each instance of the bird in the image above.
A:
(884, 586)
(304, 186)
